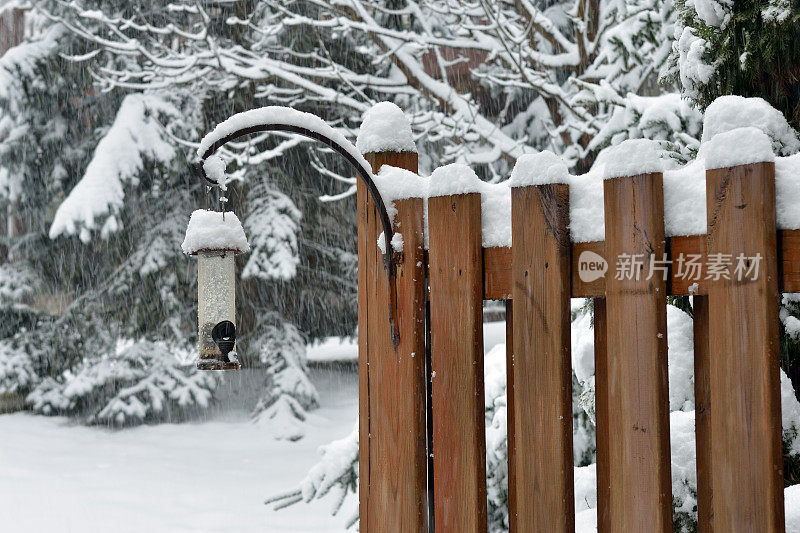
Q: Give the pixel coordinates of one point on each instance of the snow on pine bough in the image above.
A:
(285, 119)
(215, 238)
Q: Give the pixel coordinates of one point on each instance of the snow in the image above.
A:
(685, 187)
(397, 184)
(692, 69)
(385, 128)
(680, 355)
(729, 112)
(98, 480)
(214, 168)
(135, 135)
(787, 191)
(397, 242)
(539, 169)
(21, 60)
(496, 214)
(712, 12)
(214, 230)
(632, 157)
(685, 199)
(586, 222)
(455, 178)
(683, 452)
(739, 146)
(333, 349)
(273, 223)
(790, 415)
(791, 496)
(210, 476)
(685, 194)
(582, 347)
(278, 115)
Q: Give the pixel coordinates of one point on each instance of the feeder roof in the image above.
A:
(214, 231)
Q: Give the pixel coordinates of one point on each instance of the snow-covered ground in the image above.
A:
(200, 477)
(207, 476)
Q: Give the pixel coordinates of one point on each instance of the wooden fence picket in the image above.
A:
(702, 413)
(392, 453)
(638, 406)
(456, 299)
(602, 435)
(540, 375)
(746, 455)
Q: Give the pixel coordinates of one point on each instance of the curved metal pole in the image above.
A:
(362, 172)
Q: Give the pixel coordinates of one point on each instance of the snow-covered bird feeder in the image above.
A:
(215, 238)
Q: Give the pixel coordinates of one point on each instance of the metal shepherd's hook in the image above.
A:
(362, 172)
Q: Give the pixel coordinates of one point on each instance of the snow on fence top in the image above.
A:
(278, 115)
(539, 169)
(631, 157)
(684, 187)
(213, 230)
(454, 178)
(385, 128)
(752, 146)
(398, 184)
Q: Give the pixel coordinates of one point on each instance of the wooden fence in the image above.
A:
(414, 408)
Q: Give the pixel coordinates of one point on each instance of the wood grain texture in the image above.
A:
(497, 273)
(510, 435)
(394, 459)
(497, 267)
(602, 435)
(456, 301)
(702, 410)
(580, 288)
(540, 383)
(746, 457)
(789, 264)
(366, 273)
(639, 454)
(679, 280)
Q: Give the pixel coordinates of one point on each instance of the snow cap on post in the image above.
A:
(737, 147)
(209, 230)
(398, 184)
(385, 128)
(454, 178)
(542, 168)
(632, 157)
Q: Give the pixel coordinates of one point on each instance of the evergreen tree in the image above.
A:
(103, 326)
(747, 48)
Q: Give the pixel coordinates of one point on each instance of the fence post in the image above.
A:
(456, 300)
(638, 405)
(540, 377)
(702, 412)
(747, 460)
(392, 456)
(602, 436)
(510, 424)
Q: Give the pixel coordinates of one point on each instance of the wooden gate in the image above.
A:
(413, 408)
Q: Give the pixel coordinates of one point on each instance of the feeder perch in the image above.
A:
(216, 238)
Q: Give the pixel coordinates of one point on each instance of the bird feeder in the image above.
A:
(216, 238)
